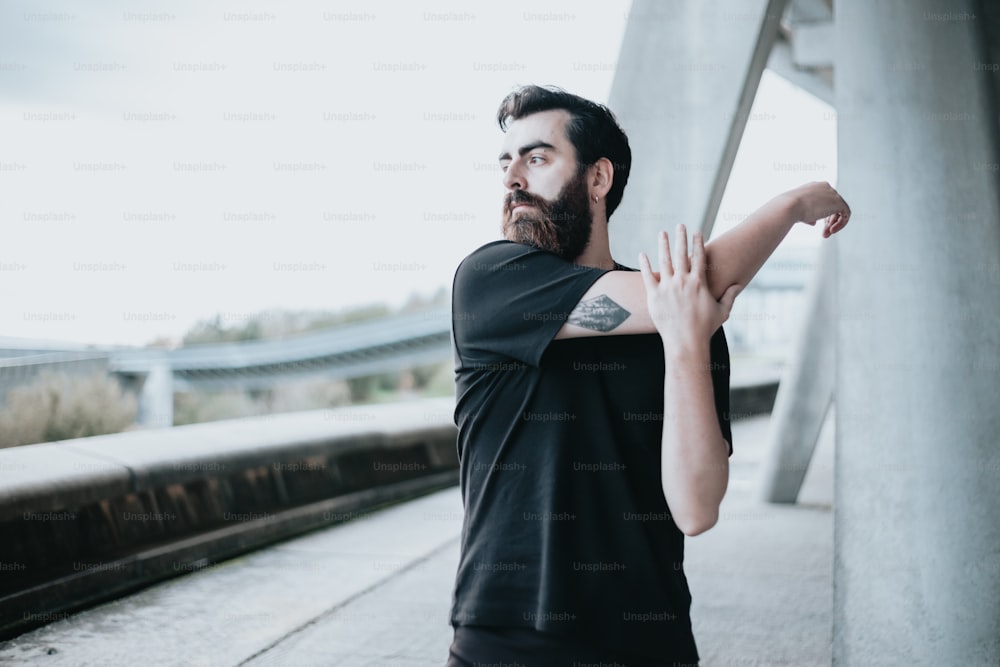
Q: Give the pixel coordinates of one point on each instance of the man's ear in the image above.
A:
(602, 175)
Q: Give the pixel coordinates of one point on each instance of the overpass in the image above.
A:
(355, 350)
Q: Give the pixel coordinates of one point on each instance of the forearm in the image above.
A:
(695, 456)
(736, 256)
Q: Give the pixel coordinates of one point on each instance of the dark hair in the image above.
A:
(593, 130)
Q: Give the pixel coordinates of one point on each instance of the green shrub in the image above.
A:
(58, 406)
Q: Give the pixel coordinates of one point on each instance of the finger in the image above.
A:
(647, 272)
(666, 266)
(681, 262)
(839, 224)
(831, 221)
(698, 255)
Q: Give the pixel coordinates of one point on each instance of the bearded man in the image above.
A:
(592, 401)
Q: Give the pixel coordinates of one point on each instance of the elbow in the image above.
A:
(696, 524)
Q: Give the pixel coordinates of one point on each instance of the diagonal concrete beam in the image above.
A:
(685, 82)
(805, 392)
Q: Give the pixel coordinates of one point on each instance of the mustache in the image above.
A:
(516, 197)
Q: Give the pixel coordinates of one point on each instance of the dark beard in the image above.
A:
(561, 226)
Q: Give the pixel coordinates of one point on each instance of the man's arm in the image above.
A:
(616, 303)
(735, 257)
(694, 454)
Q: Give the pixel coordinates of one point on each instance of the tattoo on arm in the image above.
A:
(599, 314)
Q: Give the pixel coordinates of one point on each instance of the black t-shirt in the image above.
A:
(566, 529)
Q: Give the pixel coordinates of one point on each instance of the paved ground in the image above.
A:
(376, 591)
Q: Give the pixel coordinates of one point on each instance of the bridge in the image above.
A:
(356, 350)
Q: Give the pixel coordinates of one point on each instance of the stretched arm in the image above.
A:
(735, 257)
(616, 304)
(695, 456)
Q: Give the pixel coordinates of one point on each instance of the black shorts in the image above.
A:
(483, 646)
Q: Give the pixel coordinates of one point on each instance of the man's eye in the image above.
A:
(503, 168)
(535, 159)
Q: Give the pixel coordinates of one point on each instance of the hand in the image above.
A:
(679, 302)
(818, 200)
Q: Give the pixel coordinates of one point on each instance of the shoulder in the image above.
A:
(501, 249)
(502, 257)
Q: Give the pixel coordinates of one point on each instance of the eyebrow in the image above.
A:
(527, 147)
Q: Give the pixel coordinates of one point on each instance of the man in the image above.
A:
(592, 401)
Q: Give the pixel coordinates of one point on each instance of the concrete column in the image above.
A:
(685, 81)
(806, 388)
(917, 509)
(156, 398)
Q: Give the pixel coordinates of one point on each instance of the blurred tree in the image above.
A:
(58, 406)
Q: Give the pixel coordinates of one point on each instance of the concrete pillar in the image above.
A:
(806, 388)
(917, 486)
(156, 398)
(685, 81)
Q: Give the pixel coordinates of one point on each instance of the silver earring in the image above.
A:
(596, 198)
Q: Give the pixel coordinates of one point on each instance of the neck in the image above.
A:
(597, 254)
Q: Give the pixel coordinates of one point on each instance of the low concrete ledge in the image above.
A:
(753, 398)
(88, 519)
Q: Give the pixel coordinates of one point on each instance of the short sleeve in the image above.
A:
(509, 300)
(719, 354)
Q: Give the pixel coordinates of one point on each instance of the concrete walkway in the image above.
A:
(376, 591)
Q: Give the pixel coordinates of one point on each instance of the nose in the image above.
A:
(513, 178)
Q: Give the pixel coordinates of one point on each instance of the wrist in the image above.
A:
(789, 206)
(686, 354)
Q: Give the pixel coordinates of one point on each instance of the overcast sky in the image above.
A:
(165, 161)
